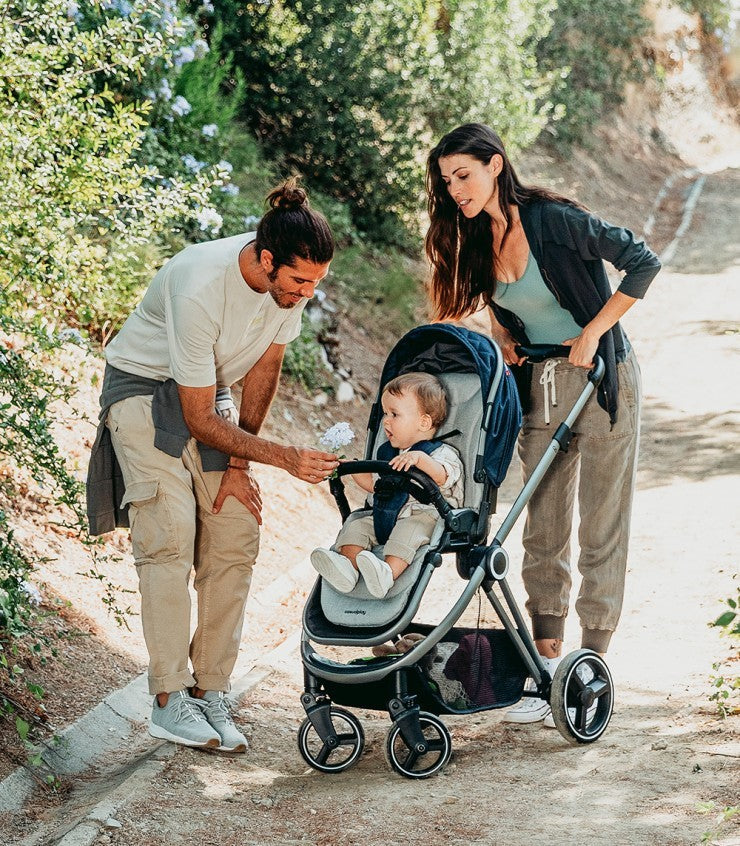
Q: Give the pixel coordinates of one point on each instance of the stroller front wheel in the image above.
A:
(582, 696)
(337, 753)
(408, 761)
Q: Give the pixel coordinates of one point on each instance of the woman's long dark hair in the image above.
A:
(291, 228)
(461, 250)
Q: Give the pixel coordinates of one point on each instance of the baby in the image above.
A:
(414, 407)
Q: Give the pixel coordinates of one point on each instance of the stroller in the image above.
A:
(449, 669)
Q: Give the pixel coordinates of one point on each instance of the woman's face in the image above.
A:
(471, 183)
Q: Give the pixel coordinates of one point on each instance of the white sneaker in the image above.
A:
(531, 709)
(377, 574)
(335, 568)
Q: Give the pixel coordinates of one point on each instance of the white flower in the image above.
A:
(209, 218)
(191, 163)
(207, 8)
(224, 165)
(251, 220)
(165, 92)
(210, 130)
(32, 592)
(181, 107)
(337, 436)
(73, 10)
(230, 189)
(69, 334)
(183, 56)
(200, 48)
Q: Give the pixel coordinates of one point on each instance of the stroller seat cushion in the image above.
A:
(359, 608)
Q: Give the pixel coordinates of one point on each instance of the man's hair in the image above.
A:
(292, 229)
(429, 393)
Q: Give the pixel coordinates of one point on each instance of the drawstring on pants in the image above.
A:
(547, 380)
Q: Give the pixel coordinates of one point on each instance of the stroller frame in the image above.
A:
(418, 744)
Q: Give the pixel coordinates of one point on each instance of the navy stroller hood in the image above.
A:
(441, 348)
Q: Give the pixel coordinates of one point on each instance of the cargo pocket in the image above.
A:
(152, 531)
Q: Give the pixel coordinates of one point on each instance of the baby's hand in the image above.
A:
(406, 460)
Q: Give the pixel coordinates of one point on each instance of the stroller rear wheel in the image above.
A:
(336, 754)
(582, 696)
(414, 764)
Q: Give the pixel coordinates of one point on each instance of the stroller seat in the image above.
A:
(358, 610)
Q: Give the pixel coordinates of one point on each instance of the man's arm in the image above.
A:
(259, 388)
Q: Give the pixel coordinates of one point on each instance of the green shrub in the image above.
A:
(592, 51)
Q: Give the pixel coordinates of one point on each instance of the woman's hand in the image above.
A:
(582, 349)
(507, 344)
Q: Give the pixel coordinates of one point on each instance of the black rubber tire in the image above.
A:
(351, 743)
(581, 710)
(404, 761)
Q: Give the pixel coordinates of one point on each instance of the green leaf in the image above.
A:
(22, 727)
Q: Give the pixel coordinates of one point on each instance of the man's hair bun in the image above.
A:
(288, 196)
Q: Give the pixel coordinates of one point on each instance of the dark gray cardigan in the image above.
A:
(570, 246)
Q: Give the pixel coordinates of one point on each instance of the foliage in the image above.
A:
(715, 15)
(726, 814)
(726, 687)
(352, 94)
(75, 207)
(303, 362)
(483, 68)
(592, 51)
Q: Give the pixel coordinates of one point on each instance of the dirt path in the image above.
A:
(665, 750)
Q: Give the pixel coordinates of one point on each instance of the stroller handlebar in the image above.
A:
(536, 353)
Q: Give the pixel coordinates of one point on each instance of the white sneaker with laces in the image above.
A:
(335, 568)
(531, 709)
(377, 574)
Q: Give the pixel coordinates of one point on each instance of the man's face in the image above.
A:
(289, 286)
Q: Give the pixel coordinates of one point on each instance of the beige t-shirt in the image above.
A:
(199, 323)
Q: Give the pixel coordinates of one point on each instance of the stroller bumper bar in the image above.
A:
(412, 481)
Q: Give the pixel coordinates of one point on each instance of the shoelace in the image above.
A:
(547, 380)
(218, 709)
(186, 710)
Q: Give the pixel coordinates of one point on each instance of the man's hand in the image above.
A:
(310, 465)
(241, 484)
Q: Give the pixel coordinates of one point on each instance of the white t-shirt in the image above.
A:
(199, 323)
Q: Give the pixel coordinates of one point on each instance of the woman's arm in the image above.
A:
(502, 337)
(594, 238)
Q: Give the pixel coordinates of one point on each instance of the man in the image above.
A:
(216, 316)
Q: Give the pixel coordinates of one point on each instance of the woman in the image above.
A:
(536, 259)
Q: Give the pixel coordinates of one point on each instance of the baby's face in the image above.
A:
(403, 420)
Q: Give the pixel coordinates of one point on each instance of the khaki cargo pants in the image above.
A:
(601, 464)
(173, 531)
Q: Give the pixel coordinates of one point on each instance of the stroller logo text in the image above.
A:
(356, 611)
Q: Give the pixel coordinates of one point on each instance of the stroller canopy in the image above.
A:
(441, 348)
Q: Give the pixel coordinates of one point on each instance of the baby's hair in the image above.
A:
(427, 389)
(292, 229)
